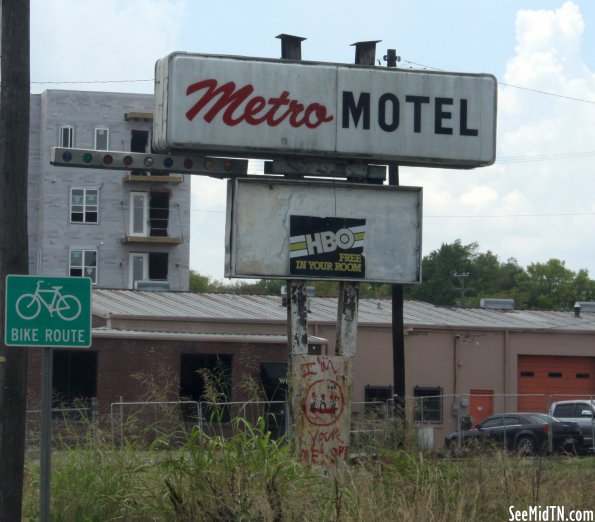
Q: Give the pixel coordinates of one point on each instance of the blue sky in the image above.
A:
(537, 202)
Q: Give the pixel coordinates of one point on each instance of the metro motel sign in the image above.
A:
(278, 108)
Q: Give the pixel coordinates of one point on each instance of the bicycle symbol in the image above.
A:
(67, 306)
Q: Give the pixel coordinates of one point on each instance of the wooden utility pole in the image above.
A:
(14, 151)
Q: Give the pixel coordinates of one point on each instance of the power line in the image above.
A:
(537, 91)
(91, 81)
(547, 93)
(465, 216)
(546, 157)
(489, 216)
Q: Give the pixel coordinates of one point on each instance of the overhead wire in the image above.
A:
(537, 91)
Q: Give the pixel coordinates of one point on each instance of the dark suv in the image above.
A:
(580, 411)
(527, 433)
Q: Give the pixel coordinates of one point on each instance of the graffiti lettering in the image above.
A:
(308, 369)
(326, 447)
(321, 365)
(325, 421)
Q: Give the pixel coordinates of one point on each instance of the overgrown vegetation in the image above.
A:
(541, 286)
(249, 476)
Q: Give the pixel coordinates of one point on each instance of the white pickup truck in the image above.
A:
(581, 411)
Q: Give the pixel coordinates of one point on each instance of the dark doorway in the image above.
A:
(206, 378)
(159, 213)
(74, 377)
(273, 376)
(139, 140)
(158, 266)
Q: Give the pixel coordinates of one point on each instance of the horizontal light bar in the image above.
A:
(147, 162)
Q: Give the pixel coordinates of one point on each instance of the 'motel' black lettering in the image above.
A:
(417, 101)
(466, 131)
(388, 97)
(362, 109)
(440, 115)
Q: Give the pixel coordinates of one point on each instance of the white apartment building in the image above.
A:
(121, 229)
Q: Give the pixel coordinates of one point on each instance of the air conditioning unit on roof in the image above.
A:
(491, 303)
(151, 286)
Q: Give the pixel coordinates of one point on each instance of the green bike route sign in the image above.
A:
(48, 311)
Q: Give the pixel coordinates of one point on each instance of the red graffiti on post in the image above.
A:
(324, 424)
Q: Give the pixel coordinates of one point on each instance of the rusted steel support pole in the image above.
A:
(347, 319)
(297, 318)
(297, 337)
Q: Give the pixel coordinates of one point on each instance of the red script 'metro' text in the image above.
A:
(238, 105)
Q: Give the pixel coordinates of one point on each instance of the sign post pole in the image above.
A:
(45, 471)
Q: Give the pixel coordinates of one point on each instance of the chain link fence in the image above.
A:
(417, 422)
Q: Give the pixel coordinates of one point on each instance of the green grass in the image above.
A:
(251, 477)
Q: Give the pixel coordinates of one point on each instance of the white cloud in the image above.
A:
(87, 40)
(554, 135)
(479, 197)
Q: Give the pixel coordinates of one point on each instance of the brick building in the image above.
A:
(461, 361)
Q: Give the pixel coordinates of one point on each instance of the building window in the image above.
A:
(84, 205)
(66, 138)
(83, 263)
(152, 266)
(555, 375)
(376, 399)
(428, 404)
(378, 393)
(101, 139)
(74, 377)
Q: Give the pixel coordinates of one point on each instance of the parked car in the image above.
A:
(527, 433)
(580, 411)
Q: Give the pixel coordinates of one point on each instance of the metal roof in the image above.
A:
(266, 308)
(191, 336)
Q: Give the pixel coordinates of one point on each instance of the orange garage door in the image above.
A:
(560, 377)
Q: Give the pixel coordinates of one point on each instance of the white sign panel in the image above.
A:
(283, 229)
(266, 108)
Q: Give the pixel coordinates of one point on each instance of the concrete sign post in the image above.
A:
(322, 388)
